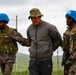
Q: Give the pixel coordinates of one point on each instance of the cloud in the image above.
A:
(14, 2)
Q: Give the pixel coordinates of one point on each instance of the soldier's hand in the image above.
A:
(16, 35)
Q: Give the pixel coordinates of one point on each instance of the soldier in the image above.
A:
(69, 44)
(8, 45)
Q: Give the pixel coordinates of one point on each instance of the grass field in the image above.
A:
(21, 65)
(57, 68)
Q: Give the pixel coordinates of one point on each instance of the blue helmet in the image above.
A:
(72, 14)
(4, 17)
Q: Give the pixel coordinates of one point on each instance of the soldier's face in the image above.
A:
(69, 21)
(1, 24)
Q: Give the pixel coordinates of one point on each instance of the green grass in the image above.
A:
(21, 67)
(60, 72)
(57, 68)
(22, 62)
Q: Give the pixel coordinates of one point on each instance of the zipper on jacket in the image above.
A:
(36, 43)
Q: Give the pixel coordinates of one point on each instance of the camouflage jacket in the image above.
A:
(8, 45)
(69, 43)
(69, 40)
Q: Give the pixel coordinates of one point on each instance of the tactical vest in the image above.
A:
(7, 44)
(69, 40)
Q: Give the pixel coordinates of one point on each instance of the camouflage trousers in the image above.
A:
(6, 68)
(6, 64)
(72, 70)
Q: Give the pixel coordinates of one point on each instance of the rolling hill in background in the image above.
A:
(22, 62)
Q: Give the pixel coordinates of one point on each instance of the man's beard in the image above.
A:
(70, 23)
(1, 27)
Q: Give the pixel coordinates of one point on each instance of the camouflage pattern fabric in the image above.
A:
(8, 50)
(72, 64)
(69, 43)
(8, 45)
(35, 13)
(6, 63)
(6, 68)
(72, 70)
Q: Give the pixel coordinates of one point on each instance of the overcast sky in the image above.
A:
(53, 10)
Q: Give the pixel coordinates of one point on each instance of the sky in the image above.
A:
(53, 10)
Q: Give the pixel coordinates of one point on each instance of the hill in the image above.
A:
(23, 62)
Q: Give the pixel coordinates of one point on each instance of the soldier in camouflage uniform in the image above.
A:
(8, 45)
(69, 44)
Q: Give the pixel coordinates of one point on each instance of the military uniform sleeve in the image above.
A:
(71, 59)
(19, 38)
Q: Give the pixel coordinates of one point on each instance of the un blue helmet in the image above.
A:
(4, 17)
(72, 14)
